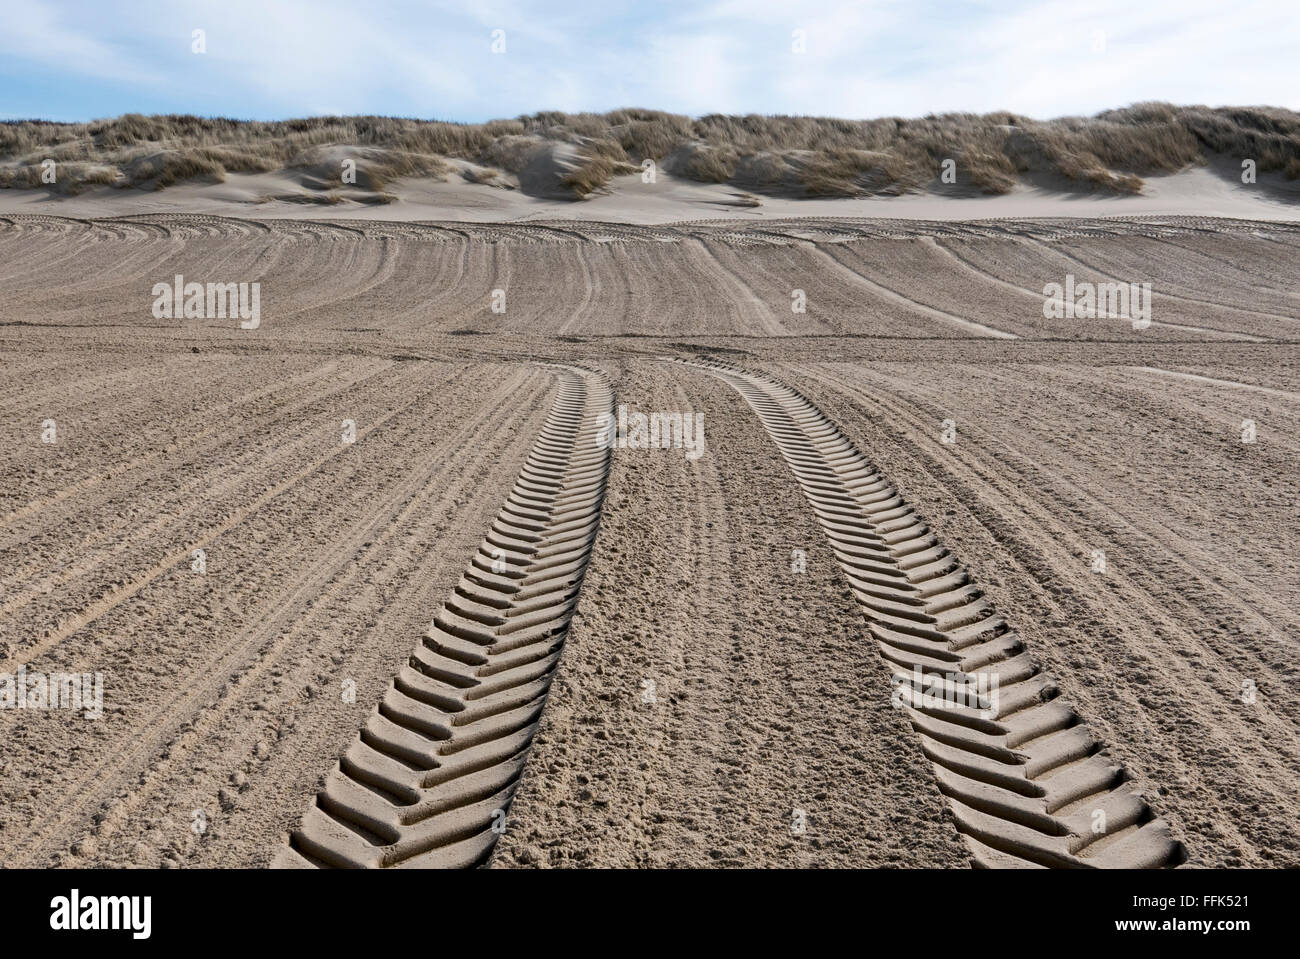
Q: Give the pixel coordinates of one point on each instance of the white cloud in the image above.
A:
(38, 34)
(888, 57)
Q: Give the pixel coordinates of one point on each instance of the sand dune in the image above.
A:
(645, 166)
(1194, 192)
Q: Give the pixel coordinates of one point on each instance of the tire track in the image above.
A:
(1027, 783)
(1014, 469)
(1227, 273)
(183, 721)
(429, 776)
(984, 275)
(591, 285)
(1182, 599)
(741, 292)
(915, 306)
(1211, 381)
(1196, 302)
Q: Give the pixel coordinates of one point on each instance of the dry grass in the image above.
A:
(602, 159)
(796, 156)
(593, 175)
(848, 172)
(704, 162)
(483, 174)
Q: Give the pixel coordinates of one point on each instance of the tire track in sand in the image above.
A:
(984, 275)
(1198, 302)
(740, 291)
(907, 303)
(428, 779)
(1027, 782)
(1211, 381)
(188, 717)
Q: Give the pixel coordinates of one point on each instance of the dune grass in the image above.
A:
(775, 155)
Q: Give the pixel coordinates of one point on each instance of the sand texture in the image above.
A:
(438, 623)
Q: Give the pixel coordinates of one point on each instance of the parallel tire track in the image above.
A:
(1026, 781)
(428, 779)
(252, 651)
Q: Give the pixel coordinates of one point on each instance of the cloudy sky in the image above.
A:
(268, 59)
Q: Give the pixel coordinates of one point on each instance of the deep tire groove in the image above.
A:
(433, 769)
(1025, 780)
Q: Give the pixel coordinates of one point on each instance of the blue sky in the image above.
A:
(271, 59)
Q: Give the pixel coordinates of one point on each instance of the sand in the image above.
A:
(233, 692)
(1211, 190)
